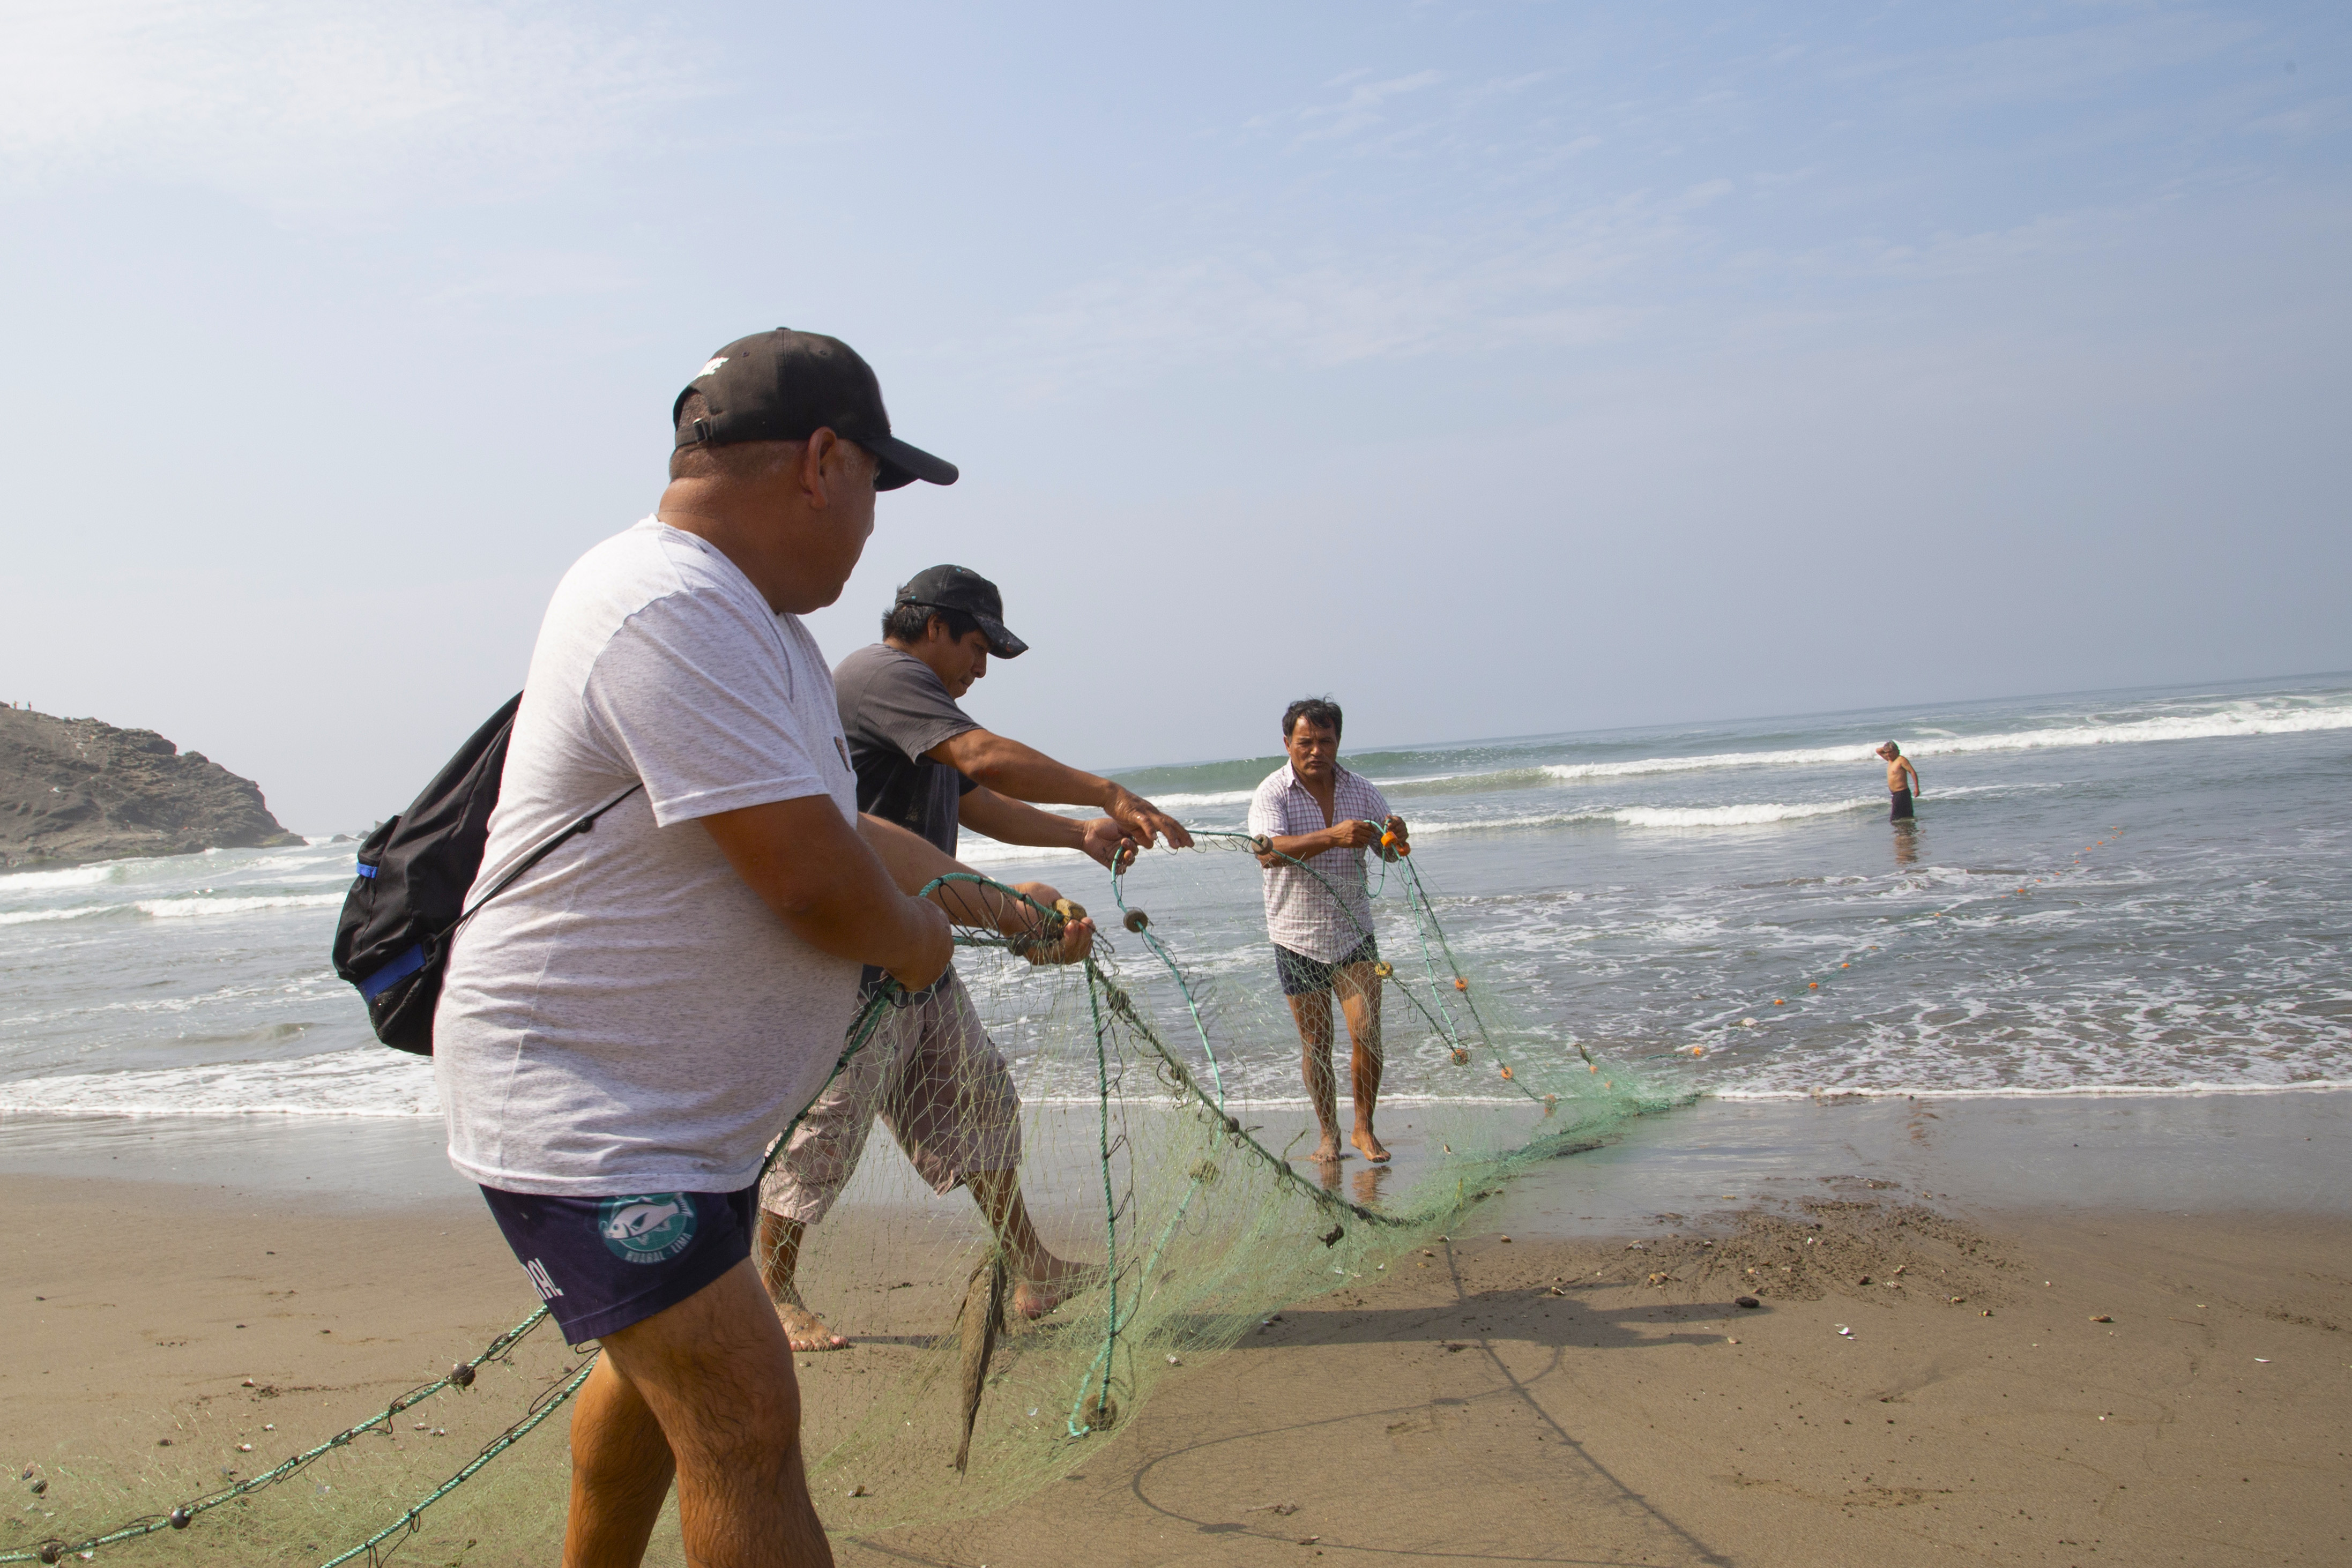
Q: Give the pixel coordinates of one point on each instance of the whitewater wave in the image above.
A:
(1744, 816)
(368, 1082)
(1751, 814)
(1195, 802)
(28, 916)
(72, 876)
(2063, 1092)
(182, 908)
(2202, 726)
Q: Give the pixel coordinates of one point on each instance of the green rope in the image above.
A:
(148, 1524)
(1110, 1224)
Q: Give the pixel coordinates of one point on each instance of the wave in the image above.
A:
(368, 1082)
(2203, 727)
(1747, 815)
(28, 916)
(2066, 1092)
(72, 876)
(181, 908)
(1409, 774)
(1194, 802)
(1752, 814)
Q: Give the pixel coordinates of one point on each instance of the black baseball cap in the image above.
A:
(784, 385)
(961, 588)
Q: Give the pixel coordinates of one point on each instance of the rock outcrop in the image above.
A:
(75, 789)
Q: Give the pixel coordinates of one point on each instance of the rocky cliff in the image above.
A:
(75, 789)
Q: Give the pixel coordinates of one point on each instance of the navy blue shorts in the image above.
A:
(603, 1264)
(1306, 977)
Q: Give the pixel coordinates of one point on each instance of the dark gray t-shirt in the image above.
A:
(894, 709)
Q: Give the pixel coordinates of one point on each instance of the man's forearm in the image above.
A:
(1011, 822)
(1301, 846)
(1022, 772)
(812, 872)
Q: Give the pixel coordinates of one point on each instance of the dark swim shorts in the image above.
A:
(1901, 810)
(1306, 977)
(603, 1264)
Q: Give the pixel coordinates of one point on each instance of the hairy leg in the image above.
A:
(1360, 998)
(1042, 1280)
(777, 1251)
(716, 1373)
(1313, 1013)
(621, 1472)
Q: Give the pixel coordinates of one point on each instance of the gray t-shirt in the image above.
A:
(893, 708)
(629, 1016)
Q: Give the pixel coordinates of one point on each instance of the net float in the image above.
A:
(1136, 920)
(1069, 911)
(1506, 1072)
(1262, 844)
(1460, 983)
(179, 1518)
(1383, 969)
(1459, 1056)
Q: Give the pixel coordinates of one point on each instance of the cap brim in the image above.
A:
(903, 464)
(1001, 643)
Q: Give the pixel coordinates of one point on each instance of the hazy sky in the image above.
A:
(1500, 369)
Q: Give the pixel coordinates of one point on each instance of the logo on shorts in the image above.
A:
(652, 1227)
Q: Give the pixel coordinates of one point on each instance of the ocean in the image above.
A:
(2141, 892)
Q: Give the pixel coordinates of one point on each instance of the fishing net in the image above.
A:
(1164, 1135)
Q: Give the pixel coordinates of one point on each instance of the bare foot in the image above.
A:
(1371, 1147)
(1052, 1282)
(1327, 1151)
(806, 1330)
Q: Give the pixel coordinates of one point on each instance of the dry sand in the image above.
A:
(1572, 1399)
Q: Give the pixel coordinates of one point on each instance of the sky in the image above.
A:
(1498, 368)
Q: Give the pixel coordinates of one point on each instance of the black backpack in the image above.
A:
(409, 899)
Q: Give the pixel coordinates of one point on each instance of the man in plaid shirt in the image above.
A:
(1318, 819)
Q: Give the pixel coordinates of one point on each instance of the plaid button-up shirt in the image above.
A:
(1302, 914)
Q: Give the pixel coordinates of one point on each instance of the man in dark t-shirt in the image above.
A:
(941, 1086)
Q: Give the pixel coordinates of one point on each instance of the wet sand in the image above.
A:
(1571, 1395)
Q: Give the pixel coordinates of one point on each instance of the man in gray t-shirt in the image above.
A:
(941, 1086)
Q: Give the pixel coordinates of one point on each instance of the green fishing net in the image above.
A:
(1165, 1140)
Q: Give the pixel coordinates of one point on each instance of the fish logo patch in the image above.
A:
(652, 1227)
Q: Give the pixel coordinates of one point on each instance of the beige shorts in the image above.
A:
(937, 1082)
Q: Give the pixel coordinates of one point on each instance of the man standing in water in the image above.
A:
(1317, 818)
(937, 1081)
(1902, 781)
(622, 1029)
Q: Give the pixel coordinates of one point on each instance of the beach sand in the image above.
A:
(1572, 1394)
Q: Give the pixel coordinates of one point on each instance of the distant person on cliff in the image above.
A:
(1319, 819)
(625, 1029)
(1902, 781)
(940, 1085)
